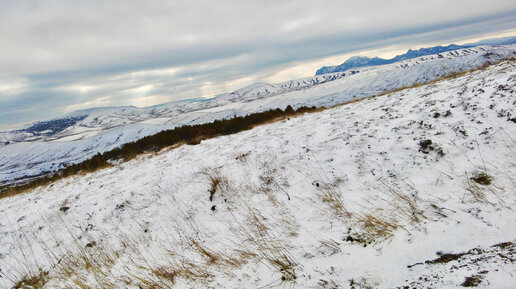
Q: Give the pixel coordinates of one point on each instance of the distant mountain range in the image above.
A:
(362, 61)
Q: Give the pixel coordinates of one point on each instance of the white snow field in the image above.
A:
(411, 189)
(27, 155)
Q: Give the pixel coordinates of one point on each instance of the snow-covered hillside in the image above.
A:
(101, 129)
(412, 189)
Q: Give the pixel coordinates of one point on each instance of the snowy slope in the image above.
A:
(102, 129)
(351, 197)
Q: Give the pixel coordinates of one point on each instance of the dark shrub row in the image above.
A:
(189, 134)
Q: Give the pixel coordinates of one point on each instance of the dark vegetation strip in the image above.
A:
(189, 134)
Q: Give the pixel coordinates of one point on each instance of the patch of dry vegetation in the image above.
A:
(259, 238)
(481, 187)
(390, 210)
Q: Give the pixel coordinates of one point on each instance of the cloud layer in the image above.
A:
(59, 56)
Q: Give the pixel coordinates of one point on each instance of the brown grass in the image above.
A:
(99, 265)
(217, 183)
(375, 227)
(330, 196)
(481, 187)
(482, 178)
(35, 281)
(256, 237)
(387, 212)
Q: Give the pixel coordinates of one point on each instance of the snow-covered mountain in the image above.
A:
(362, 61)
(48, 146)
(410, 189)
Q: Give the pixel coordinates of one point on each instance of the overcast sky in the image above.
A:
(59, 56)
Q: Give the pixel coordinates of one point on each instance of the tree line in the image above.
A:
(187, 134)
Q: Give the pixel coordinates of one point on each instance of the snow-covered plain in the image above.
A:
(351, 197)
(101, 129)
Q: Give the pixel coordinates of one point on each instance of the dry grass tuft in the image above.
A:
(375, 227)
(166, 272)
(32, 281)
(482, 178)
(387, 212)
(215, 258)
(330, 196)
(217, 182)
(258, 238)
(394, 210)
(482, 188)
(330, 246)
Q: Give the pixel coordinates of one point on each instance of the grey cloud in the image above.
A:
(114, 46)
(70, 35)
